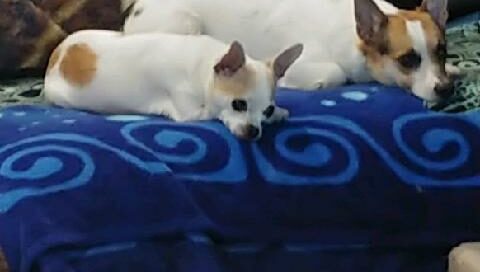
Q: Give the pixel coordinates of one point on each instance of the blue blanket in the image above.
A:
(358, 173)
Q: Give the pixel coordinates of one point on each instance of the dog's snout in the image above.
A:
(445, 89)
(251, 132)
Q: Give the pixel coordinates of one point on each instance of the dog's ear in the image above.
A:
(283, 61)
(438, 9)
(371, 24)
(232, 61)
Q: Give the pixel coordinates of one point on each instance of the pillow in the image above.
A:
(31, 29)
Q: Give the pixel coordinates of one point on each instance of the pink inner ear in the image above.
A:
(232, 61)
(224, 71)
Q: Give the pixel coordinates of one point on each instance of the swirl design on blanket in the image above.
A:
(438, 149)
(324, 142)
(171, 143)
(423, 149)
(184, 147)
(312, 154)
(40, 168)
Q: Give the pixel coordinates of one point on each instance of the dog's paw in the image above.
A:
(279, 115)
(452, 70)
(312, 85)
(314, 76)
(324, 84)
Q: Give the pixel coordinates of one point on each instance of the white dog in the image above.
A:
(345, 40)
(183, 77)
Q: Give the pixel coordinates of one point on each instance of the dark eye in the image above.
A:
(268, 112)
(441, 51)
(410, 60)
(239, 105)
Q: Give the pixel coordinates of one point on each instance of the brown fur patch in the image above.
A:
(396, 34)
(79, 64)
(54, 57)
(236, 85)
(398, 39)
(432, 31)
(399, 42)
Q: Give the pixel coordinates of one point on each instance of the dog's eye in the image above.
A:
(239, 105)
(268, 112)
(410, 60)
(441, 51)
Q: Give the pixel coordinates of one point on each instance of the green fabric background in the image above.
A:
(464, 52)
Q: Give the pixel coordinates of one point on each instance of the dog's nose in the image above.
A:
(251, 132)
(444, 90)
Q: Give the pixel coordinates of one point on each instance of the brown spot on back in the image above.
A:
(79, 64)
(236, 85)
(53, 59)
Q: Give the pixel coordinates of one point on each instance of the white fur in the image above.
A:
(327, 28)
(162, 74)
(426, 77)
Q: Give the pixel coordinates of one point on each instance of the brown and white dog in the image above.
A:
(356, 40)
(183, 77)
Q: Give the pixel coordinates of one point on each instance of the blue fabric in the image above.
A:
(361, 173)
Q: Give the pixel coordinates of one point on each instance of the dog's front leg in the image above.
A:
(313, 76)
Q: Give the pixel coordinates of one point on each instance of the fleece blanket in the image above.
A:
(361, 173)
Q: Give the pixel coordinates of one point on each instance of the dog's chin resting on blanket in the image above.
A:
(182, 77)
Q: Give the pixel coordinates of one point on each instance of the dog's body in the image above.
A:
(183, 77)
(357, 40)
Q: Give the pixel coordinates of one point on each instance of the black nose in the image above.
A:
(444, 90)
(251, 132)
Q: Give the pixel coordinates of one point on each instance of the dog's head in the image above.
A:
(407, 48)
(243, 89)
